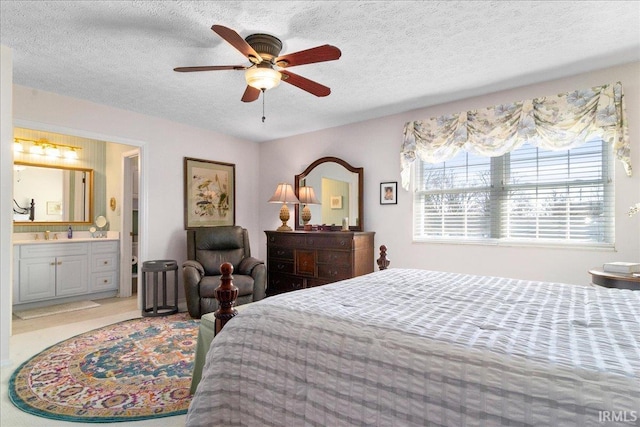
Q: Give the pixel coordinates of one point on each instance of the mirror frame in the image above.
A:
(60, 223)
(311, 167)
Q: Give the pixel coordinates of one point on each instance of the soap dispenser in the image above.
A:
(70, 233)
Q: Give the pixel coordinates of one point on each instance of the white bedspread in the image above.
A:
(405, 347)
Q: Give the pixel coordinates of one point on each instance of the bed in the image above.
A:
(409, 347)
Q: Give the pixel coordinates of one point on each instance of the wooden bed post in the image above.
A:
(383, 261)
(226, 295)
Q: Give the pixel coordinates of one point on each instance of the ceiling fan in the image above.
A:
(267, 69)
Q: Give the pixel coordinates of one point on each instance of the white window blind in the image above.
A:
(528, 195)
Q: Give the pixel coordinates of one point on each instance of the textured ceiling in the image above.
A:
(396, 55)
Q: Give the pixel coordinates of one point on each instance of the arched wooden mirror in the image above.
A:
(338, 189)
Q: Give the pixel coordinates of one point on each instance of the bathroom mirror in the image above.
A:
(52, 194)
(338, 188)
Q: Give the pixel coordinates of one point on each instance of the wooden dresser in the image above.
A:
(302, 259)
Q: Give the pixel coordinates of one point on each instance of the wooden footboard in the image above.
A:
(383, 261)
(226, 294)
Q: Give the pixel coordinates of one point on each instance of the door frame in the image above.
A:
(126, 221)
(142, 159)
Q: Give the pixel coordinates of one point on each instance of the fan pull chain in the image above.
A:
(263, 117)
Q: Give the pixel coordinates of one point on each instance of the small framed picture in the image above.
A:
(388, 193)
(336, 202)
(54, 208)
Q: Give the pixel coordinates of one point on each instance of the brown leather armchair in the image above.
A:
(207, 249)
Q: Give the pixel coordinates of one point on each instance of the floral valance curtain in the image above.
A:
(560, 122)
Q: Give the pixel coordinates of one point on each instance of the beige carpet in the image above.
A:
(55, 309)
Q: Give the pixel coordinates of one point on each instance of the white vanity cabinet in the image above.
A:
(104, 266)
(52, 272)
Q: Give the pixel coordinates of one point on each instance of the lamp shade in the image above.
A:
(263, 78)
(284, 194)
(307, 196)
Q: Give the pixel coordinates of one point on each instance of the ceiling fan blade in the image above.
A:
(210, 68)
(305, 84)
(250, 94)
(238, 42)
(309, 56)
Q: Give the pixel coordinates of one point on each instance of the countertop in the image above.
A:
(78, 237)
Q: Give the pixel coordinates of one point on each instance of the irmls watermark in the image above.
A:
(618, 416)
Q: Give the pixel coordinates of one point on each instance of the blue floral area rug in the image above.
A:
(129, 371)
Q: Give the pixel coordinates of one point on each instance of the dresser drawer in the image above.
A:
(312, 283)
(334, 257)
(279, 283)
(285, 239)
(335, 240)
(280, 252)
(334, 272)
(277, 266)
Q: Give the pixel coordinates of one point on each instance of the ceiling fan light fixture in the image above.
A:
(262, 77)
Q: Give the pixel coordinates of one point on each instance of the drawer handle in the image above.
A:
(106, 262)
(106, 281)
(281, 266)
(281, 252)
(59, 262)
(53, 263)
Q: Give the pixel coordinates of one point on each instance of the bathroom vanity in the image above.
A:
(60, 270)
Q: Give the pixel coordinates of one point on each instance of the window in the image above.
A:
(529, 195)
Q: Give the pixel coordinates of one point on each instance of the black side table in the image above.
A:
(155, 268)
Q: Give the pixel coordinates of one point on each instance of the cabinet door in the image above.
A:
(37, 279)
(71, 275)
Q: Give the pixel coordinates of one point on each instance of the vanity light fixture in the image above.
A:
(36, 149)
(71, 154)
(284, 194)
(44, 147)
(52, 151)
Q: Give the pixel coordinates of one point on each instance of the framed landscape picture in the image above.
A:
(209, 193)
(388, 193)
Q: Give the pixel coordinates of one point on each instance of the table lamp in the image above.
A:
(307, 197)
(284, 194)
